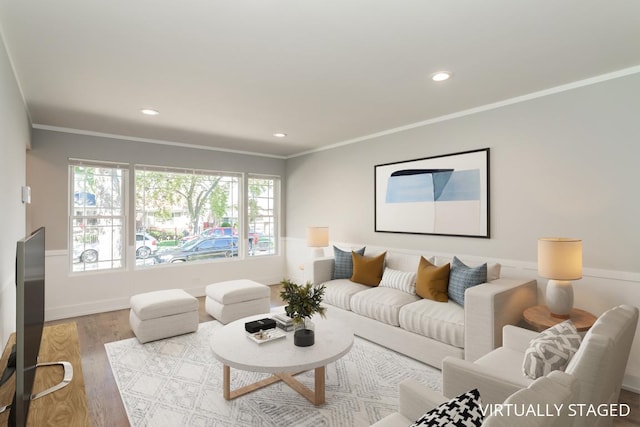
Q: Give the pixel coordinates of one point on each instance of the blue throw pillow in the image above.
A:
(462, 277)
(343, 263)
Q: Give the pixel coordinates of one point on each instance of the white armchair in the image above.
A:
(598, 365)
(556, 388)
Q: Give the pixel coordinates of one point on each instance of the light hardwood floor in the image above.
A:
(103, 398)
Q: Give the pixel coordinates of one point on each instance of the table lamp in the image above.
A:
(560, 261)
(318, 238)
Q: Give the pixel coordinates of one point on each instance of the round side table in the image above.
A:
(539, 317)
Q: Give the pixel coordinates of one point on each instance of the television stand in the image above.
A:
(66, 378)
(68, 406)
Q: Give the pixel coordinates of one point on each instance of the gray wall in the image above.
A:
(14, 140)
(48, 162)
(560, 165)
(75, 294)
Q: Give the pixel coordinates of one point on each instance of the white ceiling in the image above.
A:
(228, 74)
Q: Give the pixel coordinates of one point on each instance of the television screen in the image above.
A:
(30, 269)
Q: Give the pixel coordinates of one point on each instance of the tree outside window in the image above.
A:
(177, 207)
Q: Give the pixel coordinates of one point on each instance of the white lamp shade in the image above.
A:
(560, 258)
(317, 237)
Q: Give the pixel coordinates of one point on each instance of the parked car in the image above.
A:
(212, 247)
(85, 252)
(264, 244)
(146, 245)
(209, 232)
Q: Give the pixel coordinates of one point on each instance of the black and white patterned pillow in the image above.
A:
(551, 350)
(464, 411)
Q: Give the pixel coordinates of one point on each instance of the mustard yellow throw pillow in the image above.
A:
(432, 282)
(367, 270)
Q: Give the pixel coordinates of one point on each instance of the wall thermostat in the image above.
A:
(26, 194)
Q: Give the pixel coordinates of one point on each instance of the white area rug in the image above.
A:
(178, 382)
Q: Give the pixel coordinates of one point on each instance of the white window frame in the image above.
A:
(277, 203)
(121, 217)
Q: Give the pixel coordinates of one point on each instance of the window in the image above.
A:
(262, 210)
(97, 219)
(180, 215)
(179, 207)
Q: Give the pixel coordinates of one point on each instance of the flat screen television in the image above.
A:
(30, 295)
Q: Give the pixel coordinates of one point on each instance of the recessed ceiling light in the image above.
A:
(149, 112)
(279, 135)
(441, 76)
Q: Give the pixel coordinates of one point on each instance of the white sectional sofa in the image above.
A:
(424, 329)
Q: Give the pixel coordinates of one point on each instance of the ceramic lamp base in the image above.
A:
(559, 296)
(317, 253)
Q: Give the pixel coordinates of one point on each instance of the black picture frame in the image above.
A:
(444, 195)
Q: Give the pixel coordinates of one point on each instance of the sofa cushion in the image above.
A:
(155, 304)
(463, 277)
(237, 291)
(381, 304)
(404, 281)
(493, 268)
(343, 263)
(464, 410)
(432, 282)
(442, 321)
(551, 350)
(339, 292)
(504, 362)
(367, 270)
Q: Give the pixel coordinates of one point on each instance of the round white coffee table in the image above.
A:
(280, 357)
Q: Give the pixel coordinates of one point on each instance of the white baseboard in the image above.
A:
(631, 383)
(93, 307)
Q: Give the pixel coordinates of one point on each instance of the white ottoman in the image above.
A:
(163, 314)
(235, 299)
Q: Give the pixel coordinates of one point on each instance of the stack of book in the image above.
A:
(283, 321)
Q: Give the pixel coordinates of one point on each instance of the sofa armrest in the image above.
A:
(416, 399)
(318, 270)
(517, 338)
(489, 307)
(460, 376)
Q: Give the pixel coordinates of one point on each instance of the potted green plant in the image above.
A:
(303, 301)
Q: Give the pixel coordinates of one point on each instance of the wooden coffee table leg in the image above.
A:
(315, 396)
(229, 394)
(226, 382)
(319, 386)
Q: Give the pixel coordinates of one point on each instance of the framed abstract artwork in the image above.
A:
(443, 195)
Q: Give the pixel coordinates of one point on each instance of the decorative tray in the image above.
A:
(266, 336)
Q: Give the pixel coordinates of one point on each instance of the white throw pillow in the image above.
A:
(402, 280)
(551, 350)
